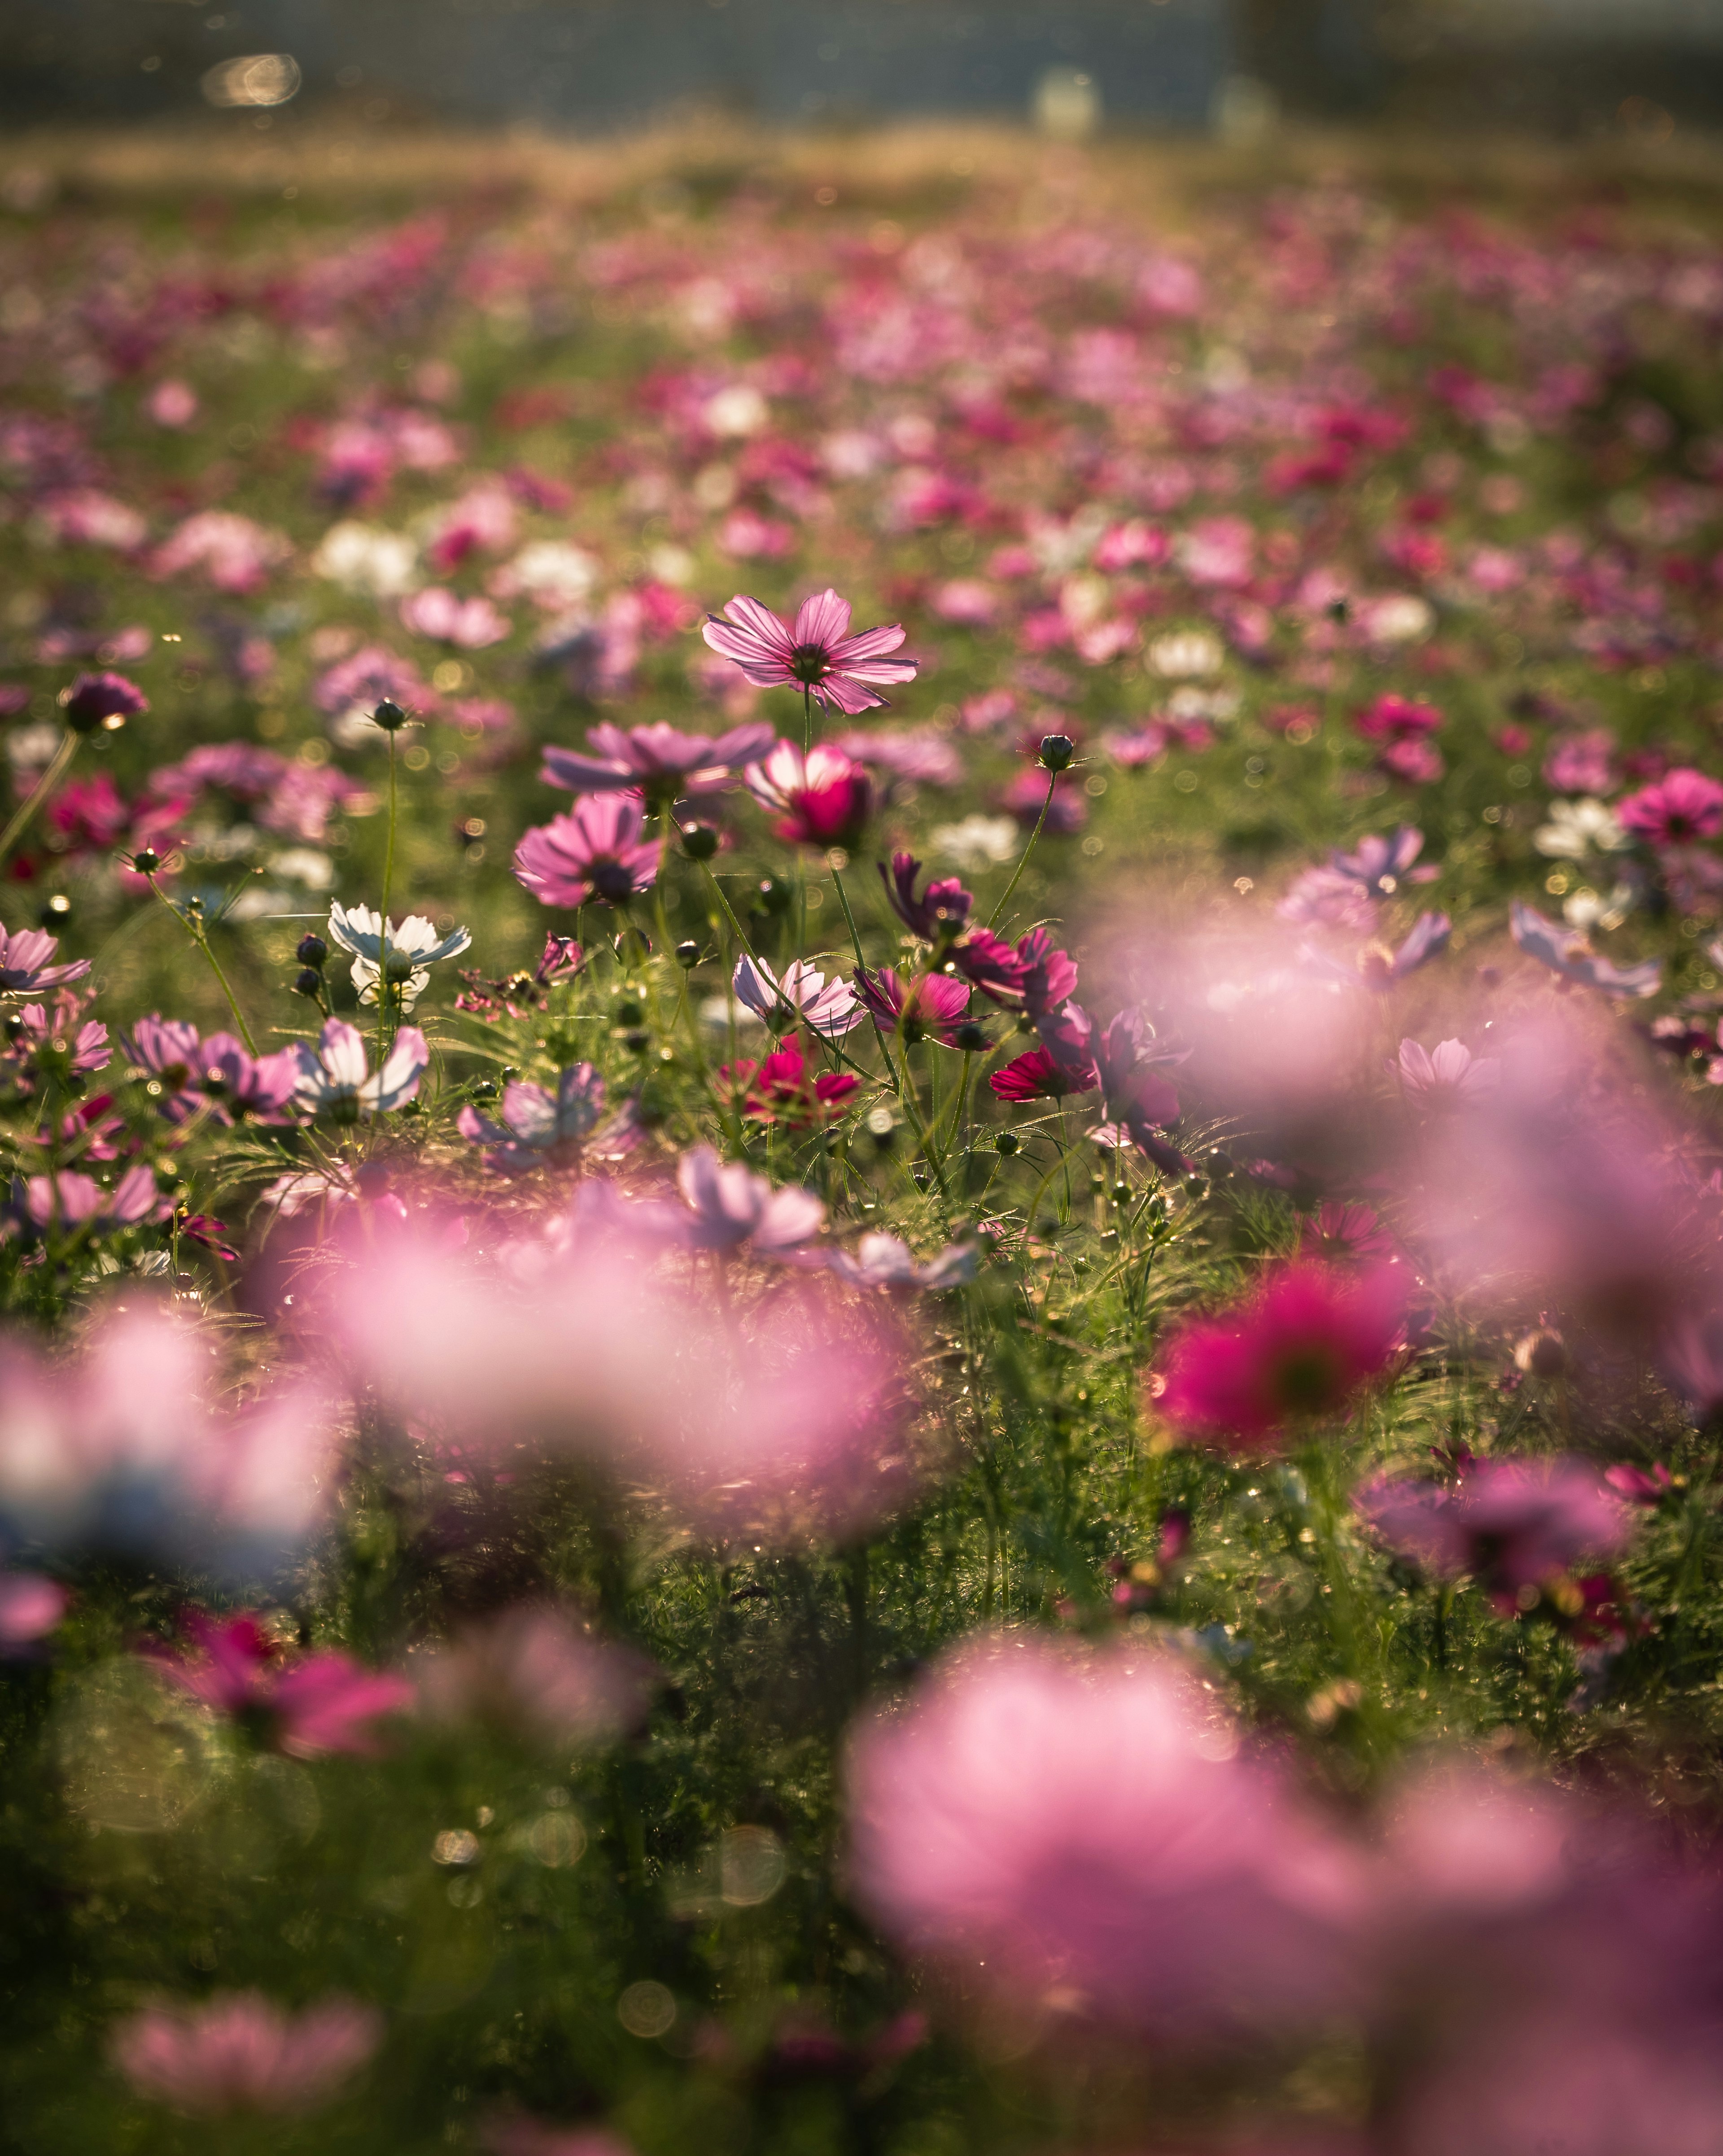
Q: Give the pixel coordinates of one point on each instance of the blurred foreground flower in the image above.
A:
(1087, 1835)
(238, 2052)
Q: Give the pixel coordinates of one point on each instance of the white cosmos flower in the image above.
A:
(979, 842)
(1578, 828)
(334, 1075)
(414, 947)
(830, 1008)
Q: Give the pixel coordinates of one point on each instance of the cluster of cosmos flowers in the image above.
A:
(960, 1331)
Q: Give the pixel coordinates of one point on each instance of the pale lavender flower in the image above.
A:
(538, 1127)
(1452, 1074)
(1569, 954)
(25, 966)
(335, 1076)
(730, 1206)
(1377, 966)
(657, 760)
(829, 1008)
(881, 1261)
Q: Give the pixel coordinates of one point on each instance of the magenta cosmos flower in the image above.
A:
(1089, 1831)
(597, 851)
(656, 760)
(1297, 1349)
(931, 1006)
(817, 653)
(304, 1705)
(238, 2052)
(1682, 807)
(823, 795)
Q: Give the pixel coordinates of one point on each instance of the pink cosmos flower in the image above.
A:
(1299, 1347)
(779, 1089)
(1513, 1524)
(1393, 718)
(657, 760)
(238, 2052)
(235, 553)
(881, 1261)
(828, 1008)
(1418, 762)
(25, 969)
(1088, 1832)
(824, 797)
(938, 914)
(171, 403)
(730, 1206)
(597, 851)
(930, 1007)
(304, 1705)
(1345, 1234)
(1446, 1078)
(237, 1085)
(1033, 1076)
(1685, 805)
(170, 1050)
(31, 1605)
(61, 1204)
(1582, 763)
(539, 1671)
(817, 653)
(539, 1127)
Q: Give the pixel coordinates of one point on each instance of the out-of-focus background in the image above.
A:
(1574, 68)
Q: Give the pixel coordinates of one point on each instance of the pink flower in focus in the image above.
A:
(1299, 1348)
(1033, 1076)
(817, 653)
(1087, 1831)
(238, 2052)
(597, 851)
(828, 1008)
(1684, 806)
(824, 797)
(302, 1705)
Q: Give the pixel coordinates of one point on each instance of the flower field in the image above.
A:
(863, 1242)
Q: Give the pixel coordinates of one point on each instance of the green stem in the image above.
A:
(1017, 874)
(389, 878)
(25, 814)
(200, 938)
(843, 900)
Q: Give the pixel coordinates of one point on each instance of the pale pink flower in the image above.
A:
(1447, 1077)
(334, 1078)
(537, 1669)
(831, 1008)
(539, 1127)
(824, 796)
(817, 653)
(238, 2052)
(31, 1605)
(1565, 952)
(881, 1261)
(235, 553)
(730, 1206)
(1088, 1832)
(470, 625)
(172, 402)
(25, 967)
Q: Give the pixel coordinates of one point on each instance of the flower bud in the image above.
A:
(700, 842)
(775, 895)
(1056, 751)
(389, 716)
(970, 1037)
(688, 956)
(311, 950)
(306, 982)
(1006, 1143)
(146, 861)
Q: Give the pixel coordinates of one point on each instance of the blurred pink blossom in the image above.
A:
(238, 2052)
